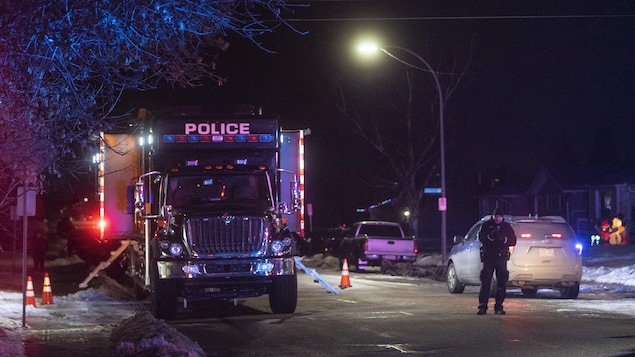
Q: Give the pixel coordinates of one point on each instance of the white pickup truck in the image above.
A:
(371, 242)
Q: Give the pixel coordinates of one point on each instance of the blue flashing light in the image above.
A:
(579, 248)
(210, 138)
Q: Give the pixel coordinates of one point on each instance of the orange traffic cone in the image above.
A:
(47, 293)
(30, 294)
(346, 280)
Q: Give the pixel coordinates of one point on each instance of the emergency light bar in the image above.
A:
(196, 138)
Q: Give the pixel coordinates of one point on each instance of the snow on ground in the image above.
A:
(142, 333)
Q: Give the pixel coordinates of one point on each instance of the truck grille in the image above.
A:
(218, 235)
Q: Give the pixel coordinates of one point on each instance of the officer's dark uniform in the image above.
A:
(496, 238)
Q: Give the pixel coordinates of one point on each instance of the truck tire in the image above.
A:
(283, 295)
(164, 296)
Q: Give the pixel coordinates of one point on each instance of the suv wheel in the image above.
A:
(529, 292)
(454, 285)
(570, 292)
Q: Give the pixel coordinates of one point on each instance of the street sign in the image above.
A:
(29, 200)
(442, 204)
(431, 190)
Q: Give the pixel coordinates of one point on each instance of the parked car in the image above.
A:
(547, 256)
(371, 243)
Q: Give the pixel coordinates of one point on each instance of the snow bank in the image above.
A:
(144, 333)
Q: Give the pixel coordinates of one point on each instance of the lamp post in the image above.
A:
(370, 48)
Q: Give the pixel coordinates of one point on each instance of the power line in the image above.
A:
(462, 18)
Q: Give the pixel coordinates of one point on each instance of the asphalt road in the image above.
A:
(383, 315)
(378, 315)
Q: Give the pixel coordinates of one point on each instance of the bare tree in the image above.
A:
(404, 133)
(65, 64)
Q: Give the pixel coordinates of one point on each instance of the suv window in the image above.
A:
(472, 234)
(543, 230)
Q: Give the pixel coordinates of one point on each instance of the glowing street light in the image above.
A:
(371, 48)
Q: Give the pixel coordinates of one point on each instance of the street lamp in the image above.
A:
(369, 48)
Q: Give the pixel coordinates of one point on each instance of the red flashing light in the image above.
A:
(252, 138)
(229, 138)
(556, 235)
(218, 167)
(207, 167)
(230, 167)
(525, 235)
(174, 169)
(262, 168)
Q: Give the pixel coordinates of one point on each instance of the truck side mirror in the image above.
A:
(139, 197)
(284, 208)
(295, 194)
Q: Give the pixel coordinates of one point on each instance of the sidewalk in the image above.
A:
(65, 274)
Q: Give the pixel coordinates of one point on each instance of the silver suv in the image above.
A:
(546, 256)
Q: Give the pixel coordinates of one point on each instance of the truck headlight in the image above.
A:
(264, 267)
(176, 249)
(191, 269)
(164, 244)
(277, 247)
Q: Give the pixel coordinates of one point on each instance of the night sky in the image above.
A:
(545, 83)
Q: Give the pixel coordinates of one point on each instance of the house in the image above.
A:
(583, 197)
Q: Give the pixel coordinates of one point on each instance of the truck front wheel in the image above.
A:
(283, 295)
(165, 296)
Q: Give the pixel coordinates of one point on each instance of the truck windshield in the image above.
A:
(184, 191)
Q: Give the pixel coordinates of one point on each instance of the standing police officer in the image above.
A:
(496, 237)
